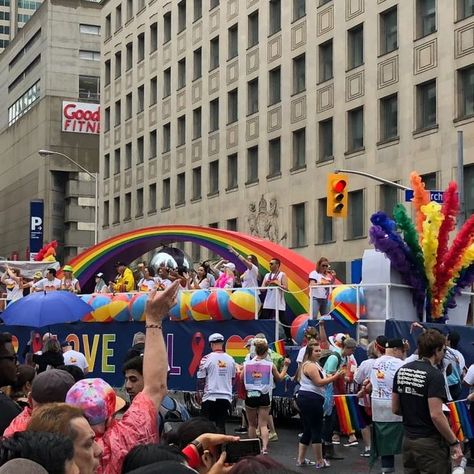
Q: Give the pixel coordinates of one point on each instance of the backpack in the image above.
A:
(326, 353)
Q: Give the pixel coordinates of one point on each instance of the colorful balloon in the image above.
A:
(119, 307)
(218, 305)
(198, 305)
(243, 304)
(137, 306)
(180, 311)
(88, 318)
(298, 327)
(101, 313)
(348, 295)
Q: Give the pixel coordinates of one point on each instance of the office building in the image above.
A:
(232, 113)
(49, 85)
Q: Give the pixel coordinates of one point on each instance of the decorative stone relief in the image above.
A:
(141, 71)
(355, 86)
(117, 134)
(197, 32)
(274, 119)
(298, 35)
(213, 144)
(152, 169)
(298, 109)
(107, 140)
(128, 129)
(252, 61)
(181, 157)
(325, 20)
(387, 72)
(140, 122)
(153, 62)
(232, 9)
(107, 94)
(325, 98)
(251, 3)
(464, 40)
(232, 136)
(196, 91)
(140, 173)
(354, 8)
(263, 219)
(274, 48)
(251, 130)
(153, 114)
(182, 43)
(106, 187)
(117, 184)
(128, 79)
(426, 56)
(196, 151)
(166, 108)
(118, 86)
(166, 164)
(128, 178)
(214, 82)
(232, 72)
(167, 53)
(214, 20)
(181, 100)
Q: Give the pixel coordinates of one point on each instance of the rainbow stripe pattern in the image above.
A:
(133, 244)
(280, 347)
(344, 314)
(460, 419)
(348, 413)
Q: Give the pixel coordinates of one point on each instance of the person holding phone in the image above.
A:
(259, 374)
(323, 275)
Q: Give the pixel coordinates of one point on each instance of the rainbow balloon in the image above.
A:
(133, 244)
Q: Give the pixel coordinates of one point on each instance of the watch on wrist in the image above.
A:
(454, 443)
(198, 446)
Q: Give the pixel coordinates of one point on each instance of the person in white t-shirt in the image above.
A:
(215, 375)
(323, 275)
(69, 282)
(72, 357)
(249, 278)
(148, 282)
(13, 282)
(50, 283)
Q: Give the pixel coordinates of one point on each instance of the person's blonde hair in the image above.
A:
(261, 346)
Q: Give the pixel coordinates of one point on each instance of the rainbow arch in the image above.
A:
(131, 245)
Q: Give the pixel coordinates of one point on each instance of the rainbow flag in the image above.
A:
(344, 314)
(279, 347)
(349, 413)
(460, 419)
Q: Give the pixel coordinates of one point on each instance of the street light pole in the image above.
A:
(94, 176)
(374, 177)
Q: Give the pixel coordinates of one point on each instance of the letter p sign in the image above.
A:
(36, 223)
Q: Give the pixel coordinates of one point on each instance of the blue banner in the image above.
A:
(36, 225)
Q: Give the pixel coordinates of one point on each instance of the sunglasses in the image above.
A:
(325, 265)
(272, 263)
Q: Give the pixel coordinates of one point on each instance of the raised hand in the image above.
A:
(159, 303)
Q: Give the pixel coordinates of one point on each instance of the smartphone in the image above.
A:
(239, 449)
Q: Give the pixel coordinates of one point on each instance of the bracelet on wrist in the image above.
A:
(454, 443)
(153, 326)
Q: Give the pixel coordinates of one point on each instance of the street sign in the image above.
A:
(436, 196)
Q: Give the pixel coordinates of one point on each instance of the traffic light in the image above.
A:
(337, 195)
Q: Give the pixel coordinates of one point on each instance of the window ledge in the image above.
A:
(107, 39)
(118, 30)
(360, 237)
(353, 68)
(249, 184)
(356, 152)
(273, 177)
(232, 123)
(152, 158)
(196, 20)
(421, 132)
(323, 81)
(425, 36)
(139, 216)
(196, 79)
(298, 246)
(250, 47)
(458, 20)
(388, 142)
(328, 242)
(127, 219)
(165, 208)
(274, 104)
(195, 139)
(252, 113)
(231, 190)
(151, 212)
(328, 160)
(129, 20)
(298, 169)
(381, 55)
(463, 120)
(213, 194)
(105, 226)
(298, 19)
(141, 10)
(115, 224)
(323, 4)
(273, 33)
(196, 199)
(302, 91)
(179, 204)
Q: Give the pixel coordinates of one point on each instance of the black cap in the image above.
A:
(394, 344)
(120, 264)
(381, 340)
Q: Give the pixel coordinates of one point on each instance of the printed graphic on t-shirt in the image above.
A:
(257, 374)
(411, 381)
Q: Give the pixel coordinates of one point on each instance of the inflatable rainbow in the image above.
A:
(131, 245)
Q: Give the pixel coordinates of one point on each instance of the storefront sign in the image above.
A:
(81, 117)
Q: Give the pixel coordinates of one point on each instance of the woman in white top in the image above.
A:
(147, 283)
(13, 282)
(199, 281)
(323, 275)
(310, 401)
(249, 278)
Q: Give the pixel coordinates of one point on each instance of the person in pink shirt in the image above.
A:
(227, 276)
(98, 400)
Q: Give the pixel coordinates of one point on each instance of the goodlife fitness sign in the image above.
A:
(81, 117)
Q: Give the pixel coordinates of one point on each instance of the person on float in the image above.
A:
(124, 280)
(250, 278)
(323, 275)
(199, 280)
(13, 281)
(148, 282)
(49, 283)
(100, 285)
(226, 278)
(69, 282)
(163, 279)
(31, 284)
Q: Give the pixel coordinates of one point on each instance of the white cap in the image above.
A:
(229, 265)
(216, 337)
(339, 338)
(100, 274)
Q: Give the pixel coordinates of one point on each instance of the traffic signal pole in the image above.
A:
(376, 178)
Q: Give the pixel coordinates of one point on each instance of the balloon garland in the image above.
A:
(420, 251)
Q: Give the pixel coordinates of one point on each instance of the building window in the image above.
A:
(355, 119)
(426, 105)
(355, 45)
(166, 137)
(197, 9)
(325, 61)
(299, 9)
(214, 115)
(197, 183)
(108, 26)
(128, 106)
(231, 224)
(252, 29)
(197, 64)
(118, 17)
(118, 64)
(106, 217)
(232, 106)
(389, 117)
(89, 86)
(252, 165)
(233, 41)
(117, 161)
(166, 27)
(214, 53)
(298, 225)
(252, 97)
(326, 151)
(139, 204)
(87, 29)
(166, 193)
(468, 190)
(355, 218)
(465, 8)
(181, 15)
(141, 47)
(213, 177)
(274, 157)
(180, 189)
(106, 118)
(196, 252)
(153, 37)
(299, 74)
(152, 198)
(128, 207)
(153, 90)
(181, 130)
(117, 114)
(213, 4)
(140, 150)
(129, 9)
(325, 223)
(466, 91)
(167, 82)
(129, 56)
(299, 148)
(89, 55)
(24, 103)
(116, 210)
(181, 73)
(388, 198)
(140, 99)
(275, 16)
(107, 75)
(128, 155)
(430, 180)
(197, 123)
(106, 166)
(425, 17)
(388, 31)
(274, 92)
(232, 178)
(153, 144)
